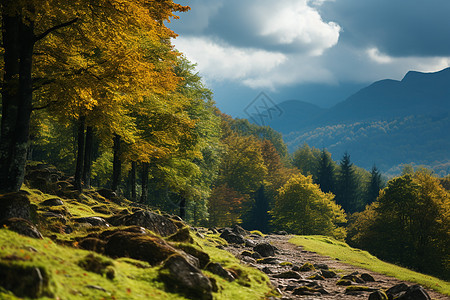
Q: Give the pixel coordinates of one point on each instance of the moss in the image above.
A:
(359, 288)
(286, 263)
(344, 282)
(257, 232)
(97, 264)
(307, 267)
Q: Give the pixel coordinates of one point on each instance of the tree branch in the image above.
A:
(45, 106)
(56, 27)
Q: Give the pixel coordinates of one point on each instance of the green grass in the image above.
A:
(339, 250)
(133, 279)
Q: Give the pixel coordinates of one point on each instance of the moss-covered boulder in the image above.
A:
(203, 257)
(147, 219)
(24, 281)
(149, 248)
(21, 226)
(180, 276)
(183, 235)
(15, 205)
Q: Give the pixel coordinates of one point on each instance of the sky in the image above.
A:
(317, 51)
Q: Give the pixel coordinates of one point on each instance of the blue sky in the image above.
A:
(318, 51)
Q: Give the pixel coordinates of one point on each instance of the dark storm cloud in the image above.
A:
(395, 27)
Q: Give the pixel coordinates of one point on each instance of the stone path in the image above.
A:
(300, 285)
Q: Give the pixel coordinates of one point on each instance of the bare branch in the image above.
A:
(56, 27)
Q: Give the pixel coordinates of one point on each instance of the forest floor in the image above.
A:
(289, 256)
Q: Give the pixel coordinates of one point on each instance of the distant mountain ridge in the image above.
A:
(411, 118)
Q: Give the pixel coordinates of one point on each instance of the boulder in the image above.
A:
(149, 248)
(183, 277)
(15, 205)
(265, 249)
(367, 277)
(396, 290)
(24, 281)
(217, 269)
(203, 257)
(415, 292)
(307, 267)
(288, 275)
(232, 237)
(239, 230)
(92, 244)
(183, 235)
(94, 221)
(147, 219)
(328, 273)
(21, 226)
(378, 295)
(52, 202)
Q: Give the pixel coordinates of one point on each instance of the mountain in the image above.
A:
(388, 123)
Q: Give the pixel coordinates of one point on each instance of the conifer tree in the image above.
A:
(346, 190)
(326, 178)
(375, 185)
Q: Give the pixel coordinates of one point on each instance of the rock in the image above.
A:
(415, 292)
(249, 260)
(396, 289)
(306, 291)
(21, 226)
(203, 257)
(367, 277)
(269, 260)
(43, 177)
(217, 269)
(95, 263)
(265, 249)
(52, 202)
(232, 238)
(50, 215)
(256, 255)
(288, 275)
(24, 281)
(92, 244)
(249, 243)
(378, 295)
(178, 274)
(149, 248)
(239, 230)
(267, 270)
(281, 232)
(316, 277)
(246, 253)
(107, 193)
(353, 278)
(321, 266)
(183, 235)
(307, 267)
(95, 287)
(15, 205)
(144, 218)
(94, 221)
(359, 288)
(344, 282)
(328, 274)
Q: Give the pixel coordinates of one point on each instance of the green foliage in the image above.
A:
(412, 219)
(306, 159)
(346, 190)
(302, 208)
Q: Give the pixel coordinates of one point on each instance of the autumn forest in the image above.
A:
(97, 90)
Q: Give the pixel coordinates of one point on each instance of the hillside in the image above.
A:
(388, 123)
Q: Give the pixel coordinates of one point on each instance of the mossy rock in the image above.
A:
(359, 288)
(305, 290)
(307, 267)
(183, 235)
(286, 263)
(344, 282)
(25, 281)
(202, 256)
(149, 248)
(97, 264)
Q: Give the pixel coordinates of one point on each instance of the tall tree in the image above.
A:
(375, 186)
(346, 190)
(326, 177)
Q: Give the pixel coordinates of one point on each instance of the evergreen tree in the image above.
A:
(258, 217)
(326, 172)
(375, 185)
(346, 190)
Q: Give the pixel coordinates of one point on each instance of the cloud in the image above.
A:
(219, 61)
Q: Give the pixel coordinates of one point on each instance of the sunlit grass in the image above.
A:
(339, 250)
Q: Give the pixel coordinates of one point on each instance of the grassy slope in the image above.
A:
(133, 279)
(340, 250)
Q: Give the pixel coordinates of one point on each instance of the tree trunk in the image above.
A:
(87, 166)
(117, 163)
(80, 153)
(144, 195)
(133, 180)
(183, 207)
(18, 43)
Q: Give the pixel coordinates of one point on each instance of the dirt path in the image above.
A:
(289, 256)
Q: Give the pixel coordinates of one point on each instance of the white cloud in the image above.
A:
(375, 55)
(294, 22)
(218, 61)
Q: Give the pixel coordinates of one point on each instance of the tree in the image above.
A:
(69, 59)
(306, 159)
(325, 177)
(346, 189)
(412, 219)
(224, 206)
(375, 186)
(302, 208)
